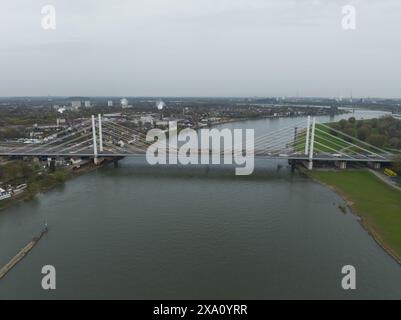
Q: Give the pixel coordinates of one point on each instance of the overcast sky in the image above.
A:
(200, 48)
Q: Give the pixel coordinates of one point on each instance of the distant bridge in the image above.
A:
(303, 141)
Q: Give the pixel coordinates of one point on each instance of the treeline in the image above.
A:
(383, 132)
(37, 179)
(13, 133)
(25, 116)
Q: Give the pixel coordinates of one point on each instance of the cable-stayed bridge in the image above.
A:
(102, 138)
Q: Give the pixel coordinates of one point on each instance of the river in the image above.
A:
(141, 232)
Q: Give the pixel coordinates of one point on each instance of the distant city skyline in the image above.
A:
(73, 98)
(201, 48)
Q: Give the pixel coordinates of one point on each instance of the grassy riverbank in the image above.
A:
(378, 204)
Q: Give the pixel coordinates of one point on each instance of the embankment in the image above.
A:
(377, 204)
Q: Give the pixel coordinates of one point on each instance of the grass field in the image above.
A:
(331, 142)
(323, 141)
(378, 204)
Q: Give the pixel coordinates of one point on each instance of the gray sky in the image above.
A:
(200, 48)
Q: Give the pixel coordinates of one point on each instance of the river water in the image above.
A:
(141, 232)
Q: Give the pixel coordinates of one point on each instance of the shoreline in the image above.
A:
(25, 196)
(363, 221)
(263, 118)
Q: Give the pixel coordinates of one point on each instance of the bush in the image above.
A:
(32, 189)
(349, 131)
(342, 123)
(395, 142)
(363, 133)
(60, 176)
(16, 172)
(377, 140)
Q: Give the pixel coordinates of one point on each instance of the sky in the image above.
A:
(200, 48)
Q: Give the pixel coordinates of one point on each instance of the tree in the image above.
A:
(349, 131)
(60, 176)
(351, 120)
(377, 140)
(342, 123)
(12, 172)
(52, 165)
(12, 133)
(363, 133)
(397, 164)
(27, 171)
(395, 142)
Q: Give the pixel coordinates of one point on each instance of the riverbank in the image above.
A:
(377, 204)
(234, 120)
(69, 174)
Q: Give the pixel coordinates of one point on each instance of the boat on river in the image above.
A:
(4, 194)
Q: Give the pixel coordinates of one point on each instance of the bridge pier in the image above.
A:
(98, 160)
(310, 165)
(374, 165)
(341, 164)
(51, 163)
(115, 162)
(293, 164)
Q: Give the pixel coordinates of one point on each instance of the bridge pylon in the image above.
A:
(100, 133)
(94, 140)
(312, 143)
(307, 136)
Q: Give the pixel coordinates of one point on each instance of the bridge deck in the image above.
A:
(316, 157)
